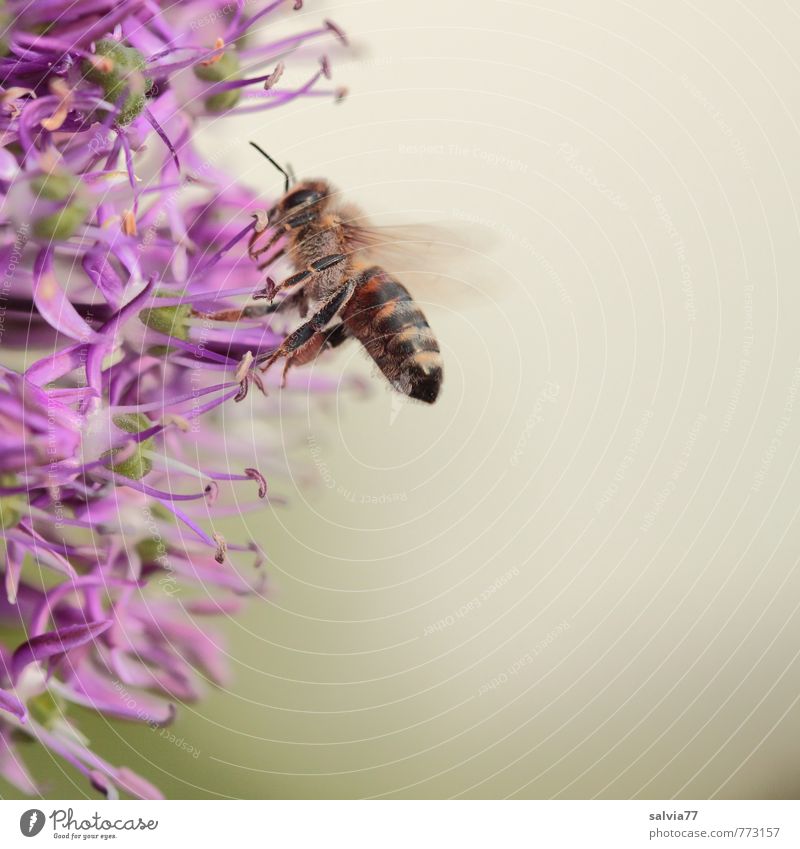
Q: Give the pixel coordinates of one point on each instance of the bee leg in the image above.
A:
(316, 267)
(275, 238)
(281, 229)
(297, 300)
(307, 352)
(334, 336)
(268, 262)
(250, 311)
(311, 332)
(319, 342)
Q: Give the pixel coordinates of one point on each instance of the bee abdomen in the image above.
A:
(383, 316)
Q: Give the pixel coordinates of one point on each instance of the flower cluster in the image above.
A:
(117, 240)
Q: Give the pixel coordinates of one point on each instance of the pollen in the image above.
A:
(129, 223)
(103, 64)
(218, 45)
(59, 88)
(181, 422)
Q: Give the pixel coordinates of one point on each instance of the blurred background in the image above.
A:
(576, 574)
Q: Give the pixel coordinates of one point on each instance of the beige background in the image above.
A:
(579, 578)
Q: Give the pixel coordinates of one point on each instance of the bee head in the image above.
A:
(299, 196)
(303, 195)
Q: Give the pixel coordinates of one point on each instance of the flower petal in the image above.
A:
(13, 705)
(134, 784)
(53, 305)
(55, 643)
(13, 769)
(14, 558)
(91, 690)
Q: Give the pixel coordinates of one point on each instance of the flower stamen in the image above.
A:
(59, 88)
(244, 367)
(222, 547)
(255, 475)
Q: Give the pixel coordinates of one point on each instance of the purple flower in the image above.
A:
(109, 266)
(36, 429)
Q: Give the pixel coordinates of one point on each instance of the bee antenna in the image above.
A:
(287, 178)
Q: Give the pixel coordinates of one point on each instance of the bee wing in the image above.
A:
(436, 259)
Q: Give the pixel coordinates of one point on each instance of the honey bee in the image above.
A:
(330, 248)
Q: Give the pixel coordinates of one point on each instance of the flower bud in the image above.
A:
(171, 321)
(122, 74)
(10, 505)
(135, 465)
(61, 224)
(225, 69)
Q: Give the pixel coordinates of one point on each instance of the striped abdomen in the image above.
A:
(385, 319)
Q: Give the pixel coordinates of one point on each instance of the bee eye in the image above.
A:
(301, 196)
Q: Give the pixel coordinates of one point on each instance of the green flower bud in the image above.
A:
(150, 550)
(137, 465)
(224, 70)
(132, 422)
(172, 321)
(5, 21)
(222, 101)
(161, 350)
(10, 505)
(126, 76)
(54, 186)
(61, 224)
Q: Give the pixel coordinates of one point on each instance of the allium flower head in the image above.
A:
(116, 240)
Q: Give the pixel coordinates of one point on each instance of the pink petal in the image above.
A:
(12, 704)
(134, 784)
(55, 643)
(14, 558)
(13, 769)
(53, 304)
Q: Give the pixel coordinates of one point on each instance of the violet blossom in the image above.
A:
(116, 239)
